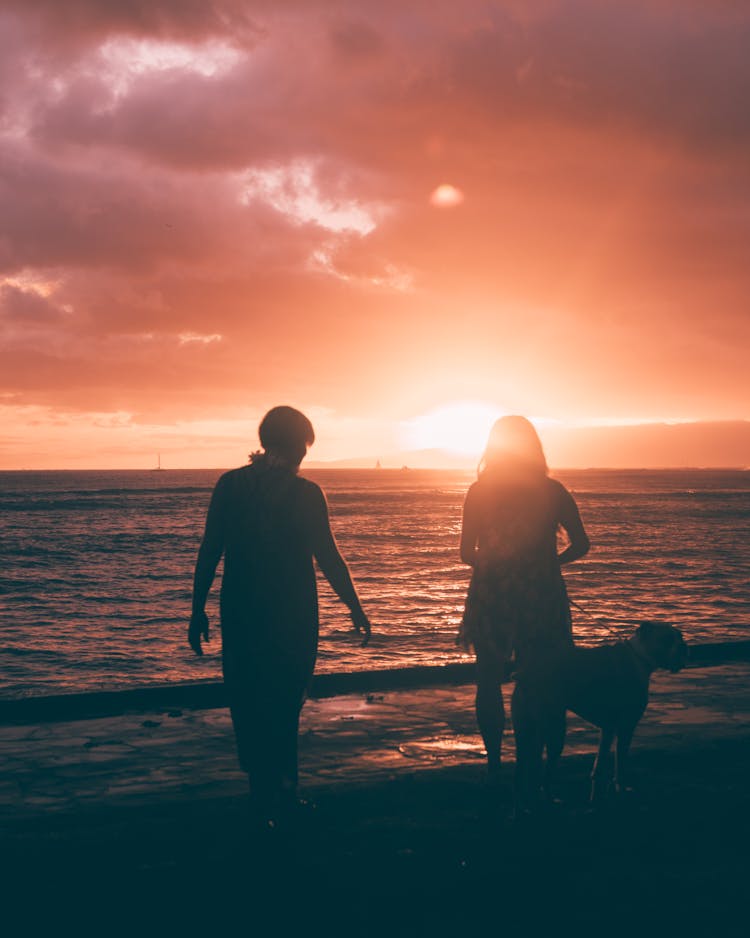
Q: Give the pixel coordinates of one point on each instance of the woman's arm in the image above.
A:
(570, 520)
(469, 530)
(334, 568)
(209, 554)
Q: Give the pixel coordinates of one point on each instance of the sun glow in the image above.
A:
(461, 427)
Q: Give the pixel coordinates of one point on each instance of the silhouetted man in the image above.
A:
(269, 523)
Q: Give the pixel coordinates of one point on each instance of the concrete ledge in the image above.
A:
(210, 694)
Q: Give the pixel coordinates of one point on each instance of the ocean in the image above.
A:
(96, 568)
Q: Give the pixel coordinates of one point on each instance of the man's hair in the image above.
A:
(287, 431)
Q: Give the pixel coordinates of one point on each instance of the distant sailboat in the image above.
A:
(377, 465)
(157, 467)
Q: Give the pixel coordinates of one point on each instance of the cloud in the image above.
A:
(186, 337)
(24, 307)
(79, 23)
(356, 41)
(292, 190)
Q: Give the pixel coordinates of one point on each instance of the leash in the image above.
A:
(600, 620)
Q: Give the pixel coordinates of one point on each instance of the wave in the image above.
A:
(47, 654)
(97, 581)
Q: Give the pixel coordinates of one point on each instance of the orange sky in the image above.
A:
(207, 208)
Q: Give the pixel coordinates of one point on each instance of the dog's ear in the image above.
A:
(679, 652)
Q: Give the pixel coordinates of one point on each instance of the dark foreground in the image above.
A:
(431, 852)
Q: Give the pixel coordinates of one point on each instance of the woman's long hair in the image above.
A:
(514, 449)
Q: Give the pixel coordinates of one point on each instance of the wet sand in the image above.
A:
(142, 818)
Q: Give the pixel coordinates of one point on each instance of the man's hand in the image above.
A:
(198, 629)
(362, 625)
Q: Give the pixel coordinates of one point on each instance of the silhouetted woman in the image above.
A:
(269, 523)
(517, 605)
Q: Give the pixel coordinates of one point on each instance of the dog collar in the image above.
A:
(643, 655)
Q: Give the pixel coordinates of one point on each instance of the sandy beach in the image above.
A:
(146, 813)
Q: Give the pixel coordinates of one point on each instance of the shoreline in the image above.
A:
(187, 753)
(210, 694)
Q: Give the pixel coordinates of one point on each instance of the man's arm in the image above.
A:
(334, 568)
(209, 554)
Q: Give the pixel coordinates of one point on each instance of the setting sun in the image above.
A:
(460, 427)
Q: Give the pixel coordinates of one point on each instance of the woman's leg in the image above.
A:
(490, 708)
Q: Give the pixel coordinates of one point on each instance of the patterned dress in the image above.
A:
(517, 604)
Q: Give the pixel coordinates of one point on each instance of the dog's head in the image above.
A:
(664, 644)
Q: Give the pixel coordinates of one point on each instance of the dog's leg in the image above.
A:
(624, 737)
(601, 775)
(555, 741)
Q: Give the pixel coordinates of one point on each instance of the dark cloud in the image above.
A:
(356, 41)
(79, 22)
(55, 215)
(660, 69)
(81, 213)
(26, 307)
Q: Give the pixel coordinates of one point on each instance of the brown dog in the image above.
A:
(607, 686)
